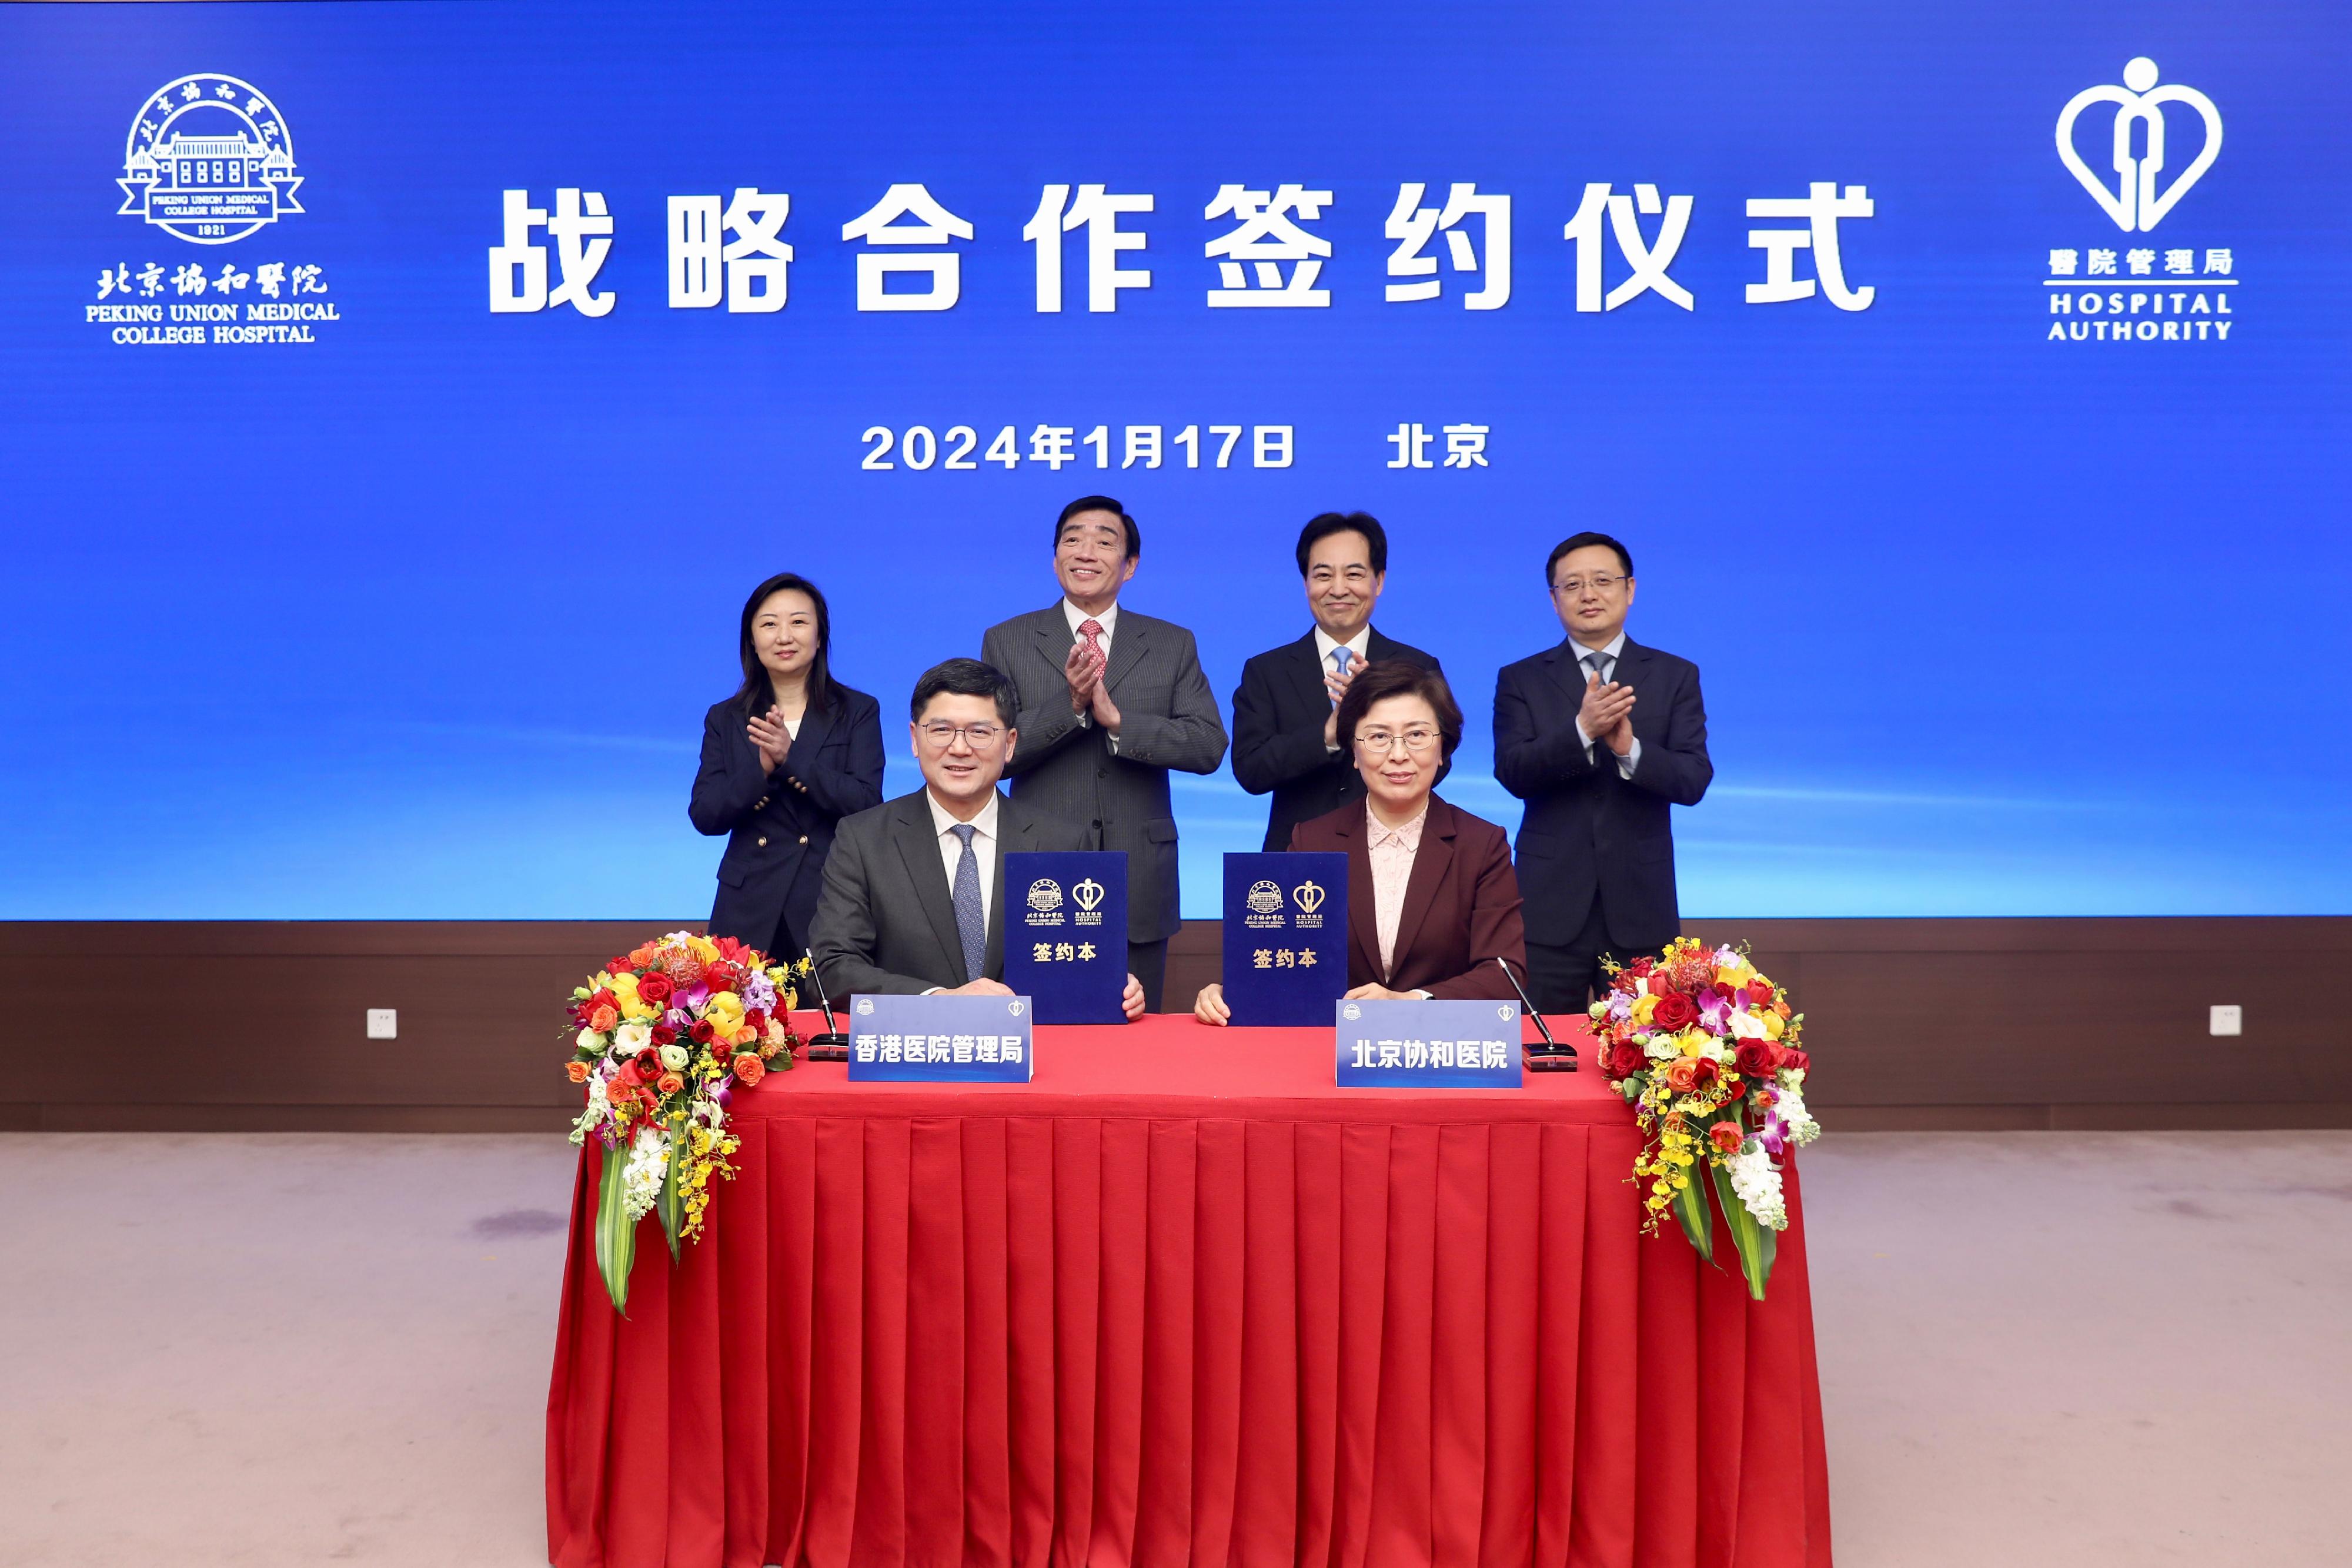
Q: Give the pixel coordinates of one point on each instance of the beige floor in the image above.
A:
(2036, 1348)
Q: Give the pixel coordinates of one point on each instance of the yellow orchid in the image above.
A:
(1773, 1026)
(724, 1012)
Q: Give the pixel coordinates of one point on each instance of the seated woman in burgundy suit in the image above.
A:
(1431, 899)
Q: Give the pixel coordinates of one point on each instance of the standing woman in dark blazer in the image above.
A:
(783, 759)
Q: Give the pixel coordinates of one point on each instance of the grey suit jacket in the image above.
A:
(1168, 718)
(885, 923)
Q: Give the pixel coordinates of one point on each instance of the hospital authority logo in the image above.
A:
(2147, 144)
(209, 160)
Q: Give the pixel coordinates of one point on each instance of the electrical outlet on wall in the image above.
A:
(2226, 1018)
(383, 1023)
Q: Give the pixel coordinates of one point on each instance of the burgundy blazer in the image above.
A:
(1461, 904)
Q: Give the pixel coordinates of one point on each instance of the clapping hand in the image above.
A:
(1607, 713)
(768, 733)
(1083, 671)
(1338, 685)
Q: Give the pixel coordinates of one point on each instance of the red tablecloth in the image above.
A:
(1180, 1301)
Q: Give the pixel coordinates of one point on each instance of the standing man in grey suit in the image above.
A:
(914, 889)
(1109, 702)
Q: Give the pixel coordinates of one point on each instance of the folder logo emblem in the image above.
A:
(1089, 892)
(1264, 898)
(1046, 896)
(1310, 897)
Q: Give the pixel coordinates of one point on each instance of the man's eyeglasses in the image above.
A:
(1572, 586)
(941, 734)
(1382, 742)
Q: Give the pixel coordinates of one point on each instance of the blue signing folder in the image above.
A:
(1428, 1045)
(1286, 936)
(954, 1040)
(1065, 933)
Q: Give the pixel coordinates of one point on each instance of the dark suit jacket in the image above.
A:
(1168, 719)
(1586, 832)
(1278, 714)
(1461, 904)
(887, 923)
(781, 825)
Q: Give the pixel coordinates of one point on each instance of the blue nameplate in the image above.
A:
(1286, 936)
(1065, 934)
(1429, 1045)
(954, 1040)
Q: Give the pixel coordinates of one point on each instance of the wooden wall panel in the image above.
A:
(1914, 1023)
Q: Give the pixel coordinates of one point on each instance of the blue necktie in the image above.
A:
(971, 924)
(1340, 658)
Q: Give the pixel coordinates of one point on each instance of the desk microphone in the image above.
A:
(1554, 1057)
(833, 1045)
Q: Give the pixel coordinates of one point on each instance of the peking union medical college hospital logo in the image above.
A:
(2137, 148)
(209, 161)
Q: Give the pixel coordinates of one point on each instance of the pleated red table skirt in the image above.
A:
(1181, 1301)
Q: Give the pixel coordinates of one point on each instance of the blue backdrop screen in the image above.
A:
(400, 400)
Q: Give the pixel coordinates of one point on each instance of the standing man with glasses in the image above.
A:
(1108, 702)
(1286, 735)
(1599, 736)
(914, 889)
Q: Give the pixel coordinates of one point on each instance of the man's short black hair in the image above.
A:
(1102, 504)
(1577, 542)
(963, 678)
(1325, 525)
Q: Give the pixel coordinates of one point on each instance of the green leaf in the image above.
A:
(1690, 1208)
(672, 1205)
(1755, 1240)
(616, 1238)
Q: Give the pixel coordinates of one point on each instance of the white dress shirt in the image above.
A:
(1616, 646)
(1108, 622)
(983, 847)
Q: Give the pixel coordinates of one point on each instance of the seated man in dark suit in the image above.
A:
(1285, 734)
(914, 890)
(1599, 736)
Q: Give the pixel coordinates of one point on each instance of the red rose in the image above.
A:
(1659, 985)
(665, 1035)
(749, 1070)
(756, 1020)
(655, 987)
(1691, 1075)
(1760, 993)
(1674, 1011)
(1727, 1137)
(1624, 1061)
(702, 1031)
(1754, 1056)
(620, 966)
(1795, 1060)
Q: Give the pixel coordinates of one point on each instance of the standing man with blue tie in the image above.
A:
(1599, 736)
(1109, 701)
(1284, 738)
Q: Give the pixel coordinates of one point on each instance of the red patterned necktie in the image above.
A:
(1091, 631)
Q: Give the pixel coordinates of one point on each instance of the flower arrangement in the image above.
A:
(662, 1036)
(1705, 1049)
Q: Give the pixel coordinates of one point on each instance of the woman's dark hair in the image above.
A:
(754, 695)
(1324, 525)
(963, 678)
(1388, 678)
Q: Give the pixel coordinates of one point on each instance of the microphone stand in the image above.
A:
(833, 1045)
(1554, 1057)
